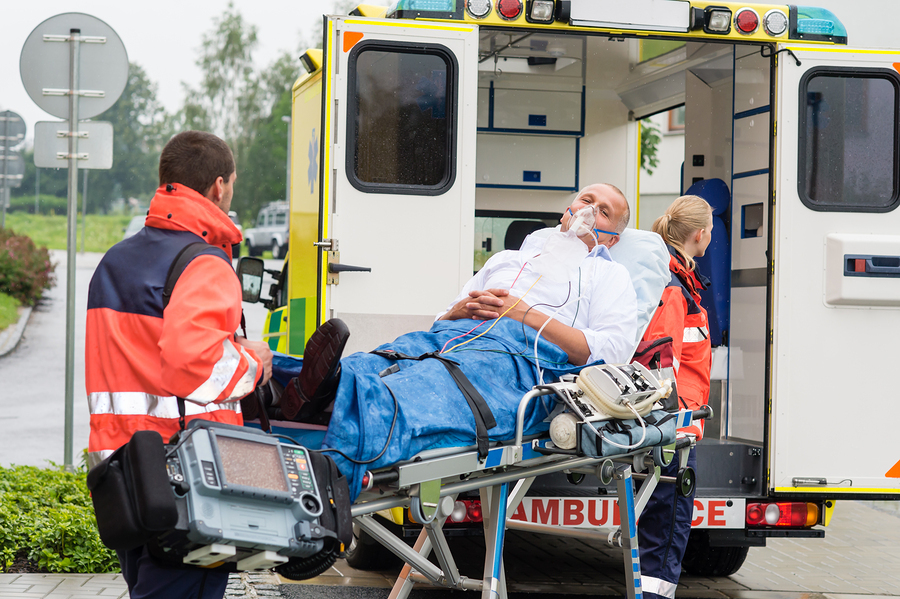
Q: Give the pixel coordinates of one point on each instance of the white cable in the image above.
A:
(643, 436)
(537, 361)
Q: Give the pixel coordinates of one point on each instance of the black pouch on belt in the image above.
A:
(132, 496)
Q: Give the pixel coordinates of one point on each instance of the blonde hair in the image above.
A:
(682, 219)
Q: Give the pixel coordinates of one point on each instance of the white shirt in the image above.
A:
(606, 312)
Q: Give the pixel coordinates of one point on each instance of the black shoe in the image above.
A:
(314, 388)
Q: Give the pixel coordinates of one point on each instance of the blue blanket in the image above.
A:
(432, 411)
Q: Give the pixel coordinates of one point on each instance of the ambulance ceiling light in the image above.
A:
(478, 9)
(540, 11)
(717, 20)
(509, 9)
(775, 22)
(746, 20)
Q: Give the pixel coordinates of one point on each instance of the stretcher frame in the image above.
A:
(502, 480)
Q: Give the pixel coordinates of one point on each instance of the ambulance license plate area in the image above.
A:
(570, 512)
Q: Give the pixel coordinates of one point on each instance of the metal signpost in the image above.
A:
(12, 169)
(74, 66)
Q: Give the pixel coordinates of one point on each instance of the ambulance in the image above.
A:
(429, 135)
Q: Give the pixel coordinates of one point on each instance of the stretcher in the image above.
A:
(429, 484)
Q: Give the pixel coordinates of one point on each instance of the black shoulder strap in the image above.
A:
(184, 257)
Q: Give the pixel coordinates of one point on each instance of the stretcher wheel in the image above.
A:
(575, 478)
(663, 456)
(684, 482)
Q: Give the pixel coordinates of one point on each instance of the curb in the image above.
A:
(10, 337)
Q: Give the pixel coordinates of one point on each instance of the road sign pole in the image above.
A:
(4, 197)
(83, 209)
(74, 49)
(37, 190)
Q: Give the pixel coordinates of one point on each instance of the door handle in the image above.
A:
(856, 265)
(335, 267)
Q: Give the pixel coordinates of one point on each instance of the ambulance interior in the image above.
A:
(557, 112)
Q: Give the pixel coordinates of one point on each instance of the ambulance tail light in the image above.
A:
(465, 510)
(816, 24)
(782, 515)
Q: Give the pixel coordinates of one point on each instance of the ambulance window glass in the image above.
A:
(848, 140)
(401, 118)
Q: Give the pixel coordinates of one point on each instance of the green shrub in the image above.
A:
(47, 204)
(25, 270)
(9, 310)
(46, 517)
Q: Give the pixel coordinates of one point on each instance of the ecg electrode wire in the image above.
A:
(449, 341)
(498, 319)
(530, 308)
(386, 443)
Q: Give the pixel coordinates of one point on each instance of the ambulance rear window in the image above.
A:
(848, 141)
(401, 115)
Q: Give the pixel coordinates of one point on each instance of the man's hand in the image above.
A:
(486, 305)
(262, 351)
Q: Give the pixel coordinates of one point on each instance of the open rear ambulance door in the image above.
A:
(836, 295)
(398, 166)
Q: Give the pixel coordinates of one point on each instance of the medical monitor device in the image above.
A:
(242, 495)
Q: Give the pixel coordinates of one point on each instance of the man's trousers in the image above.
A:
(663, 532)
(147, 580)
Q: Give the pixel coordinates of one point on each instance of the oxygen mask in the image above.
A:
(582, 222)
(564, 251)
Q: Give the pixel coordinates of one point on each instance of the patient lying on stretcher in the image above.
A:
(529, 316)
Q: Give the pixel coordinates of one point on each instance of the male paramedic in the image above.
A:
(139, 356)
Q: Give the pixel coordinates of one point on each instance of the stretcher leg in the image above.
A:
(630, 552)
(495, 529)
(399, 548)
(404, 583)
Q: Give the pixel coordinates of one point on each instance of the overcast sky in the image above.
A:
(162, 36)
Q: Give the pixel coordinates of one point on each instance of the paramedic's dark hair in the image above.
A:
(195, 159)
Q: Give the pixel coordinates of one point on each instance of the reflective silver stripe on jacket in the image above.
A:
(135, 403)
(675, 364)
(695, 334)
(223, 372)
(663, 588)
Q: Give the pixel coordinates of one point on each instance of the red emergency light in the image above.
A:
(784, 514)
(509, 9)
(746, 20)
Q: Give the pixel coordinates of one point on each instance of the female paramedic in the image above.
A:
(665, 523)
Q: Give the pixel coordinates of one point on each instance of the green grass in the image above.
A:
(8, 311)
(102, 231)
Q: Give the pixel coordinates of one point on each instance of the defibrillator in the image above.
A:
(223, 496)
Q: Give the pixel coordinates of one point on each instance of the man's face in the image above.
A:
(608, 207)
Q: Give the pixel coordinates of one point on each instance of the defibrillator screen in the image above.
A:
(251, 464)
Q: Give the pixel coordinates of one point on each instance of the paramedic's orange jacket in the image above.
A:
(138, 358)
(681, 317)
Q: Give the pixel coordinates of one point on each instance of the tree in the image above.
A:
(649, 143)
(140, 129)
(227, 102)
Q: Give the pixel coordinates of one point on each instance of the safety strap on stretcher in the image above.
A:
(484, 418)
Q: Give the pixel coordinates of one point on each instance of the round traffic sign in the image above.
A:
(103, 65)
(12, 128)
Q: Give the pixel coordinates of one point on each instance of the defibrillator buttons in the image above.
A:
(209, 473)
(298, 471)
